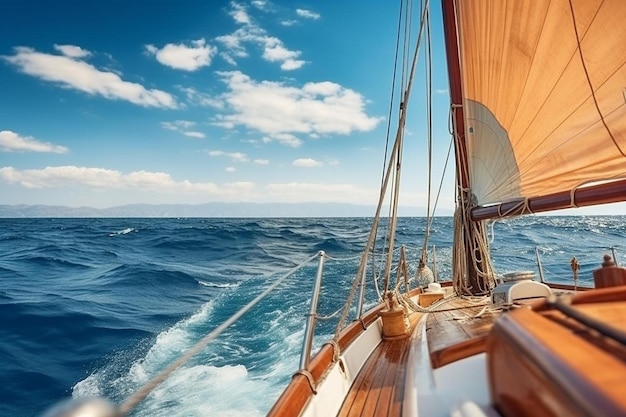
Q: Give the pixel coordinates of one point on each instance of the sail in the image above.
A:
(544, 87)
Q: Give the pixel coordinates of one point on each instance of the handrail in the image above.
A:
(361, 301)
(305, 356)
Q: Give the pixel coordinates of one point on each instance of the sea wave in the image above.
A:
(103, 314)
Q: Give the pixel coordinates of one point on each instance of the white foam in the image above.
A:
(218, 285)
(123, 232)
(88, 387)
(206, 390)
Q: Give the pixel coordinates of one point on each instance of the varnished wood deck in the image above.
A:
(379, 388)
(453, 333)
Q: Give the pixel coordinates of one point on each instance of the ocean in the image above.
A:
(98, 306)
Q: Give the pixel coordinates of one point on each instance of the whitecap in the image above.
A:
(123, 231)
(218, 285)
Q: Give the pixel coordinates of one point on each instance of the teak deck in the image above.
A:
(452, 334)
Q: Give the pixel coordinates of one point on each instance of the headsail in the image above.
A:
(544, 95)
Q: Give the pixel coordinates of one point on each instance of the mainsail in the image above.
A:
(544, 94)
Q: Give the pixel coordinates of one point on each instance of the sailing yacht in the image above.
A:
(538, 94)
(538, 115)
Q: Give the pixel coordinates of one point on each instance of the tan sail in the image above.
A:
(541, 119)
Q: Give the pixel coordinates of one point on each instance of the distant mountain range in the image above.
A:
(206, 210)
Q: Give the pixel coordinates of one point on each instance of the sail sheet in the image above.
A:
(544, 86)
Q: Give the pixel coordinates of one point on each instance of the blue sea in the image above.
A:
(98, 306)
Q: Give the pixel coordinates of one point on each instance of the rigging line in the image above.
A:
(349, 258)
(364, 257)
(394, 159)
(393, 90)
(393, 87)
(443, 175)
(593, 93)
(429, 100)
(145, 390)
(370, 242)
(400, 135)
(406, 45)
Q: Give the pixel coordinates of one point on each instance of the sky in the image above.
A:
(193, 101)
(111, 103)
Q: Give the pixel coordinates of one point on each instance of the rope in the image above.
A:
(400, 135)
(349, 258)
(429, 117)
(336, 349)
(309, 378)
(324, 318)
(395, 151)
(143, 392)
(464, 228)
(435, 307)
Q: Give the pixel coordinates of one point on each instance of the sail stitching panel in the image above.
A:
(540, 108)
(532, 61)
(593, 93)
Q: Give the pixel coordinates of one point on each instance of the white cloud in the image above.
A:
(273, 48)
(229, 59)
(240, 14)
(72, 51)
(262, 161)
(183, 127)
(234, 156)
(295, 192)
(178, 125)
(100, 178)
(306, 163)
(291, 64)
(184, 57)
(259, 4)
(12, 142)
(280, 111)
(230, 169)
(75, 74)
(193, 134)
(241, 185)
(200, 99)
(288, 22)
(307, 14)
(275, 51)
(284, 138)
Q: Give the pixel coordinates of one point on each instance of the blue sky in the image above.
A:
(109, 103)
(116, 102)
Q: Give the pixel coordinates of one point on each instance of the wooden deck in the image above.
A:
(379, 388)
(453, 333)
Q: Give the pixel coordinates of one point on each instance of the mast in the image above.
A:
(474, 259)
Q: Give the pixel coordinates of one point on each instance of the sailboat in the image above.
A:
(538, 116)
(538, 94)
